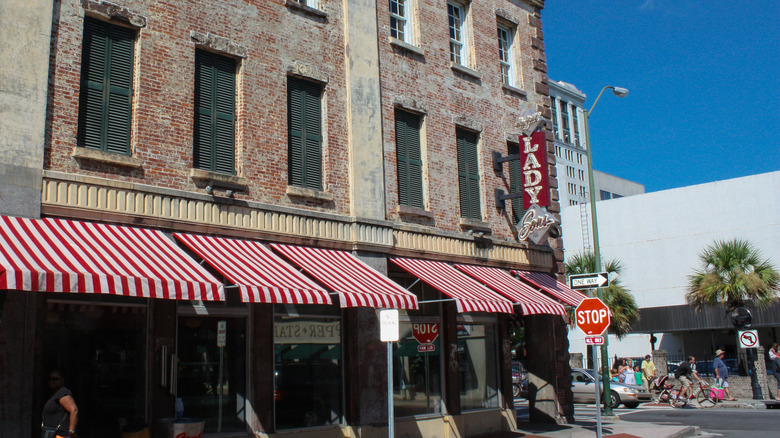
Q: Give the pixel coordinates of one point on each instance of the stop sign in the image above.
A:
(425, 333)
(592, 316)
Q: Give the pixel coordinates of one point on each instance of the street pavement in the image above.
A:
(584, 425)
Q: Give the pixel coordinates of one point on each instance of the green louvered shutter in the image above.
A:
(304, 120)
(515, 183)
(215, 108)
(105, 109)
(407, 134)
(468, 175)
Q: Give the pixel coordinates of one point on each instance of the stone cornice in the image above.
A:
(91, 198)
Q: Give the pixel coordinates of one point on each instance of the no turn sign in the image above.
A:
(748, 338)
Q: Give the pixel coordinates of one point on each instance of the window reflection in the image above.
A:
(417, 370)
(307, 366)
(477, 354)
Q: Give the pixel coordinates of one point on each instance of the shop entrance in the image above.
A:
(100, 347)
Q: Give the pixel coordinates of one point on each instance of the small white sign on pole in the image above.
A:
(388, 325)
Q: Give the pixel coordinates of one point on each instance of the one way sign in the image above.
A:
(589, 281)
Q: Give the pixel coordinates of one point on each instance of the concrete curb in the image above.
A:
(687, 432)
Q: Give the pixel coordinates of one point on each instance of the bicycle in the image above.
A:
(702, 394)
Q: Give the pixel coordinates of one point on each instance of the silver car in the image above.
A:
(629, 395)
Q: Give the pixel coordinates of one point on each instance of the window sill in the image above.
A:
(82, 153)
(406, 46)
(302, 192)
(514, 90)
(476, 226)
(404, 210)
(221, 179)
(291, 4)
(462, 69)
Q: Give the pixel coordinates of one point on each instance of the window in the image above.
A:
(576, 123)
(458, 41)
(105, 108)
(309, 3)
(477, 366)
(516, 182)
(215, 112)
(565, 122)
(407, 142)
(554, 108)
(505, 42)
(307, 366)
(468, 174)
(401, 20)
(605, 195)
(304, 129)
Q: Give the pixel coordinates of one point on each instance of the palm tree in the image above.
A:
(616, 297)
(733, 274)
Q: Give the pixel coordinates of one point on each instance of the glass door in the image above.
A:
(211, 371)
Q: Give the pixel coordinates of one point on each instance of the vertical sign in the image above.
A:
(536, 180)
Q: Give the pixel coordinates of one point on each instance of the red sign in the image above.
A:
(425, 333)
(426, 348)
(594, 340)
(592, 316)
(536, 179)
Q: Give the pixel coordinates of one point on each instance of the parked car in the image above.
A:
(621, 393)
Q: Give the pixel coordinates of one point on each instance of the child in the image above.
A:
(637, 374)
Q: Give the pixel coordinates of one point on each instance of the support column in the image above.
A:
(364, 112)
(549, 373)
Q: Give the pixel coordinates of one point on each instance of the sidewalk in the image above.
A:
(613, 427)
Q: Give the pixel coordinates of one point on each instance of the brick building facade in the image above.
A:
(149, 152)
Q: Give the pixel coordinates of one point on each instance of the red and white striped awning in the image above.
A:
(357, 284)
(530, 301)
(552, 286)
(54, 255)
(261, 275)
(469, 295)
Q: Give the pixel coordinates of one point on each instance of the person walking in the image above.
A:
(60, 414)
(648, 372)
(774, 360)
(722, 373)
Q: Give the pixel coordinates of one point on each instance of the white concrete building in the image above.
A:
(571, 160)
(658, 237)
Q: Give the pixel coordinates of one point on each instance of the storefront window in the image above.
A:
(478, 367)
(307, 366)
(211, 376)
(99, 346)
(417, 369)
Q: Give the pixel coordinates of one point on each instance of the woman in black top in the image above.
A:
(60, 414)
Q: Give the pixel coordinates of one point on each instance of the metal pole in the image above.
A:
(596, 389)
(390, 413)
(219, 388)
(597, 256)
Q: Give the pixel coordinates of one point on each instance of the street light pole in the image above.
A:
(605, 377)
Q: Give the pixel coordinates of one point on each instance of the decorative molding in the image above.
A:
(294, 5)
(462, 69)
(308, 71)
(406, 46)
(111, 12)
(82, 153)
(410, 104)
(218, 44)
(91, 198)
(404, 210)
(514, 90)
(201, 175)
(302, 192)
(468, 123)
(506, 16)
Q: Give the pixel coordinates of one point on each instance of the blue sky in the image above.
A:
(704, 82)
